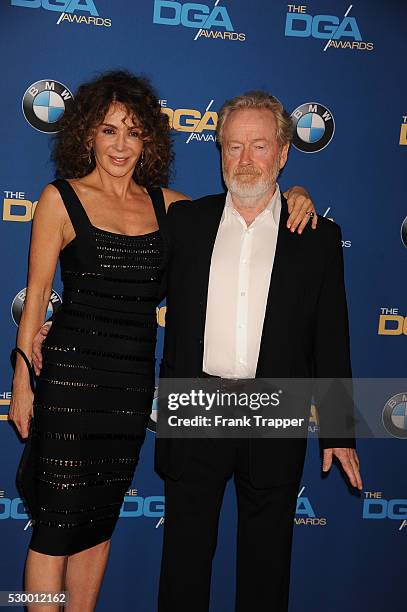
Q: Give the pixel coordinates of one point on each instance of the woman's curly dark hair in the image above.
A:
(71, 151)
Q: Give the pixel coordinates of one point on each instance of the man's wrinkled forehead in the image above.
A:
(250, 123)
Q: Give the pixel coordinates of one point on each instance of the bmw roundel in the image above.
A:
(44, 104)
(314, 127)
(395, 415)
(17, 305)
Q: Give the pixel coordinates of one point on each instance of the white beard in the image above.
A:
(250, 191)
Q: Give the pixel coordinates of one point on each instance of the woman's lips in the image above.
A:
(118, 161)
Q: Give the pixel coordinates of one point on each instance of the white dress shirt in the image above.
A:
(239, 279)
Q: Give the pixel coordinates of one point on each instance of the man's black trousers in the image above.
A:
(264, 532)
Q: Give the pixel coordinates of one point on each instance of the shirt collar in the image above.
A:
(273, 207)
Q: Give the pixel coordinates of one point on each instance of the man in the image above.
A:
(246, 298)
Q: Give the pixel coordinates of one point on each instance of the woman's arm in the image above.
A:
(299, 203)
(47, 239)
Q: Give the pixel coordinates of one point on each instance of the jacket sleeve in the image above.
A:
(171, 222)
(170, 240)
(332, 365)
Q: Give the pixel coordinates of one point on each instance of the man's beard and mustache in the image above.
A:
(250, 183)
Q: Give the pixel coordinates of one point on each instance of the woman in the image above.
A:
(93, 397)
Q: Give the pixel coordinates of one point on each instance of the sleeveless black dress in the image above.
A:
(94, 394)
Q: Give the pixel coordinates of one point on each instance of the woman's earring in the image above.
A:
(141, 159)
(90, 152)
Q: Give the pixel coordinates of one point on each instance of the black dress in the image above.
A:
(95, 391)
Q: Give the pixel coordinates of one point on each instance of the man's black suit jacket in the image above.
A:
(305, 331)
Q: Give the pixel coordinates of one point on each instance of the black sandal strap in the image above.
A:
(13, 359)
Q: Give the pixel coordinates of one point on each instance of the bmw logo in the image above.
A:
(18, 305)
(314, 127)
(44, 104)
(403, 232)
(395, 415)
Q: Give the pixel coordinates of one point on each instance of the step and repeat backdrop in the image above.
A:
(338, 68)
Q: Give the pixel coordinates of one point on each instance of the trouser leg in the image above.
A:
(265, 527)
(192, 507)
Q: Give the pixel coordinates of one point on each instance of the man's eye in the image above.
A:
(134, 134)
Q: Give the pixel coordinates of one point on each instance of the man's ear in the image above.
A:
(284, 155)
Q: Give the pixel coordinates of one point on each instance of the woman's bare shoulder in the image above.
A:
(50, 214)
(50, 202)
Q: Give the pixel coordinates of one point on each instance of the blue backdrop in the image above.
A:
(344, 63)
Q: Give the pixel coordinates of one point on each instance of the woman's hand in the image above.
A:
(37, 347)
(21, 409)
(300, 206)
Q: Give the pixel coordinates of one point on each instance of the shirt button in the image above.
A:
(243, 293)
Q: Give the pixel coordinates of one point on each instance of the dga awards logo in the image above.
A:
(199, 124)
(211, 21)
(339, 32)
(305, 513)
(44, 104)
(346, 244)
(403, 131)
(376, 507)
(12, 508)
(391, 322)
(136, 506)
(5, 399)
(395, 415)
(68, 10)
(18, 304)
(314, 127)
(16, 207)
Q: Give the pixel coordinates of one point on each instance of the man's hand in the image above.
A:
(299, 206)
(37, 346)
(349, 461)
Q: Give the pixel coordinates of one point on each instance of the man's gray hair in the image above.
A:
(258, 100)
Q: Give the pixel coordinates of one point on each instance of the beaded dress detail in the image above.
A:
(95, 391)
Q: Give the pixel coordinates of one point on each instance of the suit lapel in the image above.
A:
(284, 291)
(209, 222)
